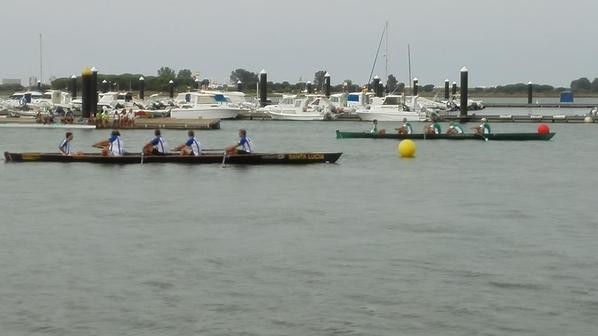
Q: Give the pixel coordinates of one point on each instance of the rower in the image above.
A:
(484, 127)
(65, 146)
(157, 146)
(244, 143)
(454, 129)
(374, 127)
(114, 146)
(191, 147)
(405, 128)
(433, 128)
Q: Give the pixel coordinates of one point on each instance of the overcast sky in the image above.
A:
(500, 41)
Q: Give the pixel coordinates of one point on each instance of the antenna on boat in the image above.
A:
(409, 60)
(386, 53)
(41, 72)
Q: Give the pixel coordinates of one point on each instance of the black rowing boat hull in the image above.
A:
(243, 159)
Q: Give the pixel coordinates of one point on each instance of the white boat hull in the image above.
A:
(295, 116)
(205, 113)
(390, 116)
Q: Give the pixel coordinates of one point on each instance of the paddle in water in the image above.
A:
(223, 159)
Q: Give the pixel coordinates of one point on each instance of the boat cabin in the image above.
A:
(198, 98)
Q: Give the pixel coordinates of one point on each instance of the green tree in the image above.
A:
(185, 78)
(319, 80)
(391, 83)
(595, 85)
(166, 73)
(248, 78)
(581, 84)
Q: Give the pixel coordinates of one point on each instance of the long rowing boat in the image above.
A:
(243, 159)
(470, 136)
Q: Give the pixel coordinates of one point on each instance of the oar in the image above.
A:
(480, 134)
(223, 159)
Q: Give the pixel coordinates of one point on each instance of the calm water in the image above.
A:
(468, 238)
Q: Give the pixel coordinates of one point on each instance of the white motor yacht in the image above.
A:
(390, 108)
(311, 107)
(193, 105)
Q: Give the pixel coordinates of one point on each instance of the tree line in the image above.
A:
(184, 80)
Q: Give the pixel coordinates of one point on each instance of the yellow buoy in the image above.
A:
(406, 148)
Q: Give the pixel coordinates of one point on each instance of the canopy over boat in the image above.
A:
(470, 136)
(243, 159)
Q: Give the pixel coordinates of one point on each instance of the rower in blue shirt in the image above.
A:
(157, 146)
(114, 146)
(191, 146)
(65, 147)
(244, 144)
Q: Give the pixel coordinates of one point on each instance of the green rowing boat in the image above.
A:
(470, 136)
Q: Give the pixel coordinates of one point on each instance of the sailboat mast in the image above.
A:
(386, 54)
(41, 69)
(409, 60)
(377, 53)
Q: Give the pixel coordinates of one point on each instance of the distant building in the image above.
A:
(11, 81)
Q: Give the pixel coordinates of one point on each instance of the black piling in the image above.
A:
(446, 89)
(381, 89)
(454, 89)
(376, 86)
(529, 92)
(104, 86)
(171, 88)
(94, 91)
(464, 88)
(141, 88)
(309, 87)
(415, 81)
(86, 92)
(73, 87)
(263, 88)
(39, 86)
(239, 86)
(327, 84)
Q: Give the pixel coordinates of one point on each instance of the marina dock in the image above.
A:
(141, 123)
(169, 123)
(508, 118)
(542, 105)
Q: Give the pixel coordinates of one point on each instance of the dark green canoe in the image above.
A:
(470, 136)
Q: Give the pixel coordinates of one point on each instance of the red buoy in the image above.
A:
(543, 129)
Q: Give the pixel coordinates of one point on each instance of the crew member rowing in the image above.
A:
(191, 147)
(244, 144)
(157, 146)
(114, 146)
